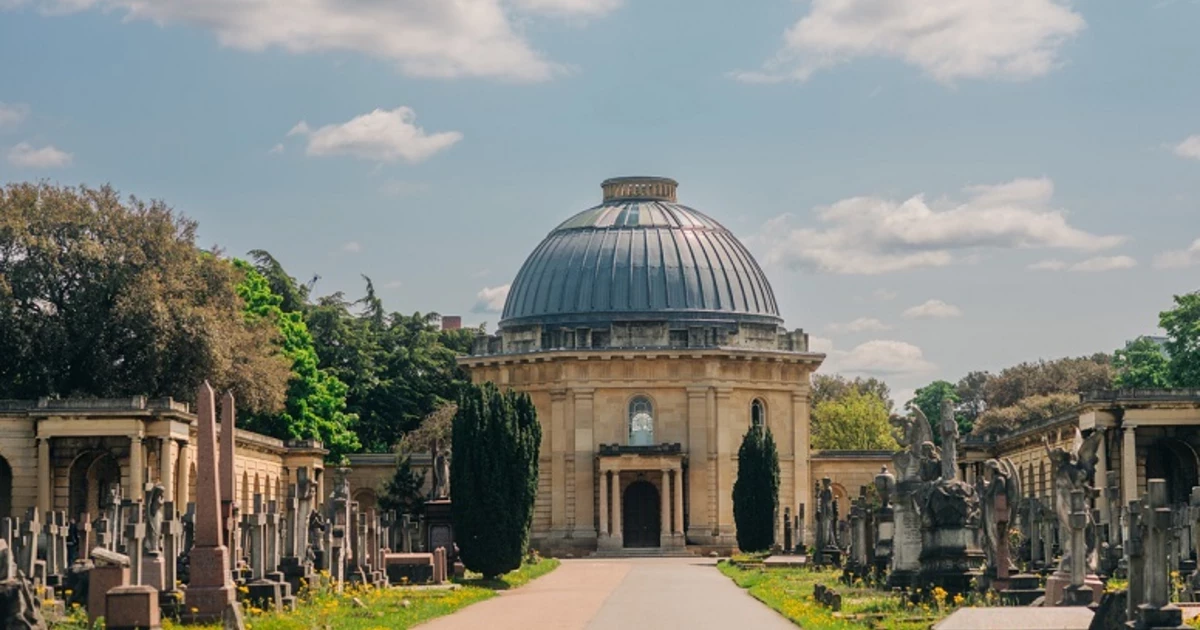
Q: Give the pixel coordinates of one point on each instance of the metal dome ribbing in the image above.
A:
(639, 255)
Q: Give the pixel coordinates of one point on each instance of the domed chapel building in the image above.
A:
(649, 340)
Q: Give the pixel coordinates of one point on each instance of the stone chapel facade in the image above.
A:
(649, 340)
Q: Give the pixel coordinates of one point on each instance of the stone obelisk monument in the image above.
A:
(210, 592)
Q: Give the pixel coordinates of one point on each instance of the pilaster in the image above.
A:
(726, 428)
(558, 464)
(699, 523)
(585, 451)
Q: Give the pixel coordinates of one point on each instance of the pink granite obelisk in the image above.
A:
(210, 588)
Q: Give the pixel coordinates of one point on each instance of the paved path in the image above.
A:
(618, 594)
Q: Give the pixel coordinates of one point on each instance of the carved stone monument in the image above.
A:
(1074, 468)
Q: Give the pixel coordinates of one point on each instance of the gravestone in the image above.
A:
(172, 536)
(787, 530)
(1157, 611)
(110, 570)
(1078, 593)
(210, 593)
(885, 526)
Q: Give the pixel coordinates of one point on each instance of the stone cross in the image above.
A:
(52, 557)
(103, 534)
(291, 533)
(271, 551)
(120, 530)
(256, 524)
(135, 533)
(8, 534)
(1157, 612)
(30, 530)
(64, 528)
(1135, 549)
(1077, 594)
(172, 531)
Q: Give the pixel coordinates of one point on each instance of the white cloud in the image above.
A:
(1189, 148)
(402, 188)
(872, 235)
(947, 39)
(933, 309)
(1048, 265)
(277, 149)
(569, 7)
(862, 324)
(11, 114)
(1099, 263)
(879, 357)
(490, 299)
(438, 38)
(352, 247)
(382, 135)
(49, 156)
(1179, 258)
(884, 295)
(1104, 263)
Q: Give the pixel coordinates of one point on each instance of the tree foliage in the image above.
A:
(1039, 378)
(855, 421)
(402, 493)
(835, 386)
(929, 400)
(1141, 364)
(1027, 410)
(756, 490)
(1182, 324)
(106, 297)
(496, 437)
(316, 400)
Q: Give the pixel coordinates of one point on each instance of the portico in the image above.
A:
(641, 497)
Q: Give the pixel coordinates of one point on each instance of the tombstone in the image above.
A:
(1157, 611)
(210, 593)
(261, 592)
(885, 525)
(172, 543)
(110, 570)
(53, 567)
(787, 530)
(1078, 593)
(339, 529)
(18, 609)
(153, 563)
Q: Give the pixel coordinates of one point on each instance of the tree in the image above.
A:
(856, 421)
(929, 400)
(971, 390)
(835, 386)
(316, 401)
(1141, 364)
(997, 420)
(756, 490)
(1067, 375)
(105, 297)
(494, 471)
(402, 493)
(1182, 324)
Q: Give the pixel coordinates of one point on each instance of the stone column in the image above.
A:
(585, 453)
(1158, 582)
(137, 464)
(1129, 464)
(617, 532)
(210, 591)
(603, 503)
(166, 467)
(802, 479)
(556, 439)
(679, 500)
(698, 449)
(664, 523)
(726, 454)
(45, 485)
(1101, 478)
(183, 482)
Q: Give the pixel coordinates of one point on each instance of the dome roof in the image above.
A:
(639, 255)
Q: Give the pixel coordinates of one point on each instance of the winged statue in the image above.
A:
(1074, 468)
(1000, 479)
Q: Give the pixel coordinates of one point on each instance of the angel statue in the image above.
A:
(1000, 489)
(913, 433)
(1074, 469)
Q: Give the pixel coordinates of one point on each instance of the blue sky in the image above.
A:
(931, 187)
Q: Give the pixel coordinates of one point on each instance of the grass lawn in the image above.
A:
(790, 592)
(383, 609)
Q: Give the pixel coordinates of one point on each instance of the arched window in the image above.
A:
(641, 422)
(758, 413)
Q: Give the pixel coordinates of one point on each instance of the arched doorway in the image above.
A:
(5, 488)
(92, 476)
(640, 516)
(1174, 461)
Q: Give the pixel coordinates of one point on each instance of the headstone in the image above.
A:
(1135, 549)
(885, 525)
(1157, 611)
(787, 529)
(172, 537)
(154, 572)
(110, 570)
(1078, 593)
(210, 590)
(801, 525)
(18, 610)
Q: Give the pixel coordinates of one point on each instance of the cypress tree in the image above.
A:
(494, 475)
(756, 490)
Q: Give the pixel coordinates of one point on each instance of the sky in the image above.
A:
(932, 188)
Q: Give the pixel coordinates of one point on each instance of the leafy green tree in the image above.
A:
(835, 386)
(929, 400)
(402, 493)
(971, 390)
(494, 471)
(1141, 364)
(855, 421)
(1182, 324)
(756, 490)
(1039, 378)
(316, 400)
(102, 296)
(996, 420)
